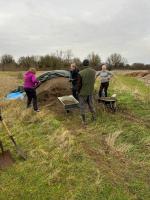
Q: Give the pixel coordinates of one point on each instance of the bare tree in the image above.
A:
(68, 55)
(51, 62)
(77, 61)
(115, 60)
(28, 61)
(59, 54)
(7, 60)
(94, 59)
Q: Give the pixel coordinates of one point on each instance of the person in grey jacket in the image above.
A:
(105, 77)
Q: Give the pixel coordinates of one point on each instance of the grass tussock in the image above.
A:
(111, 141)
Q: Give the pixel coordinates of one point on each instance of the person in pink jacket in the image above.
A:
(30, 83)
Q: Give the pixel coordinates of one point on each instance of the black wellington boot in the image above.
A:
(83, 119)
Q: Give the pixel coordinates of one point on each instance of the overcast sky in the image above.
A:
(37, 27)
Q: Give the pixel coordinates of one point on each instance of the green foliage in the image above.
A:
(50, 62)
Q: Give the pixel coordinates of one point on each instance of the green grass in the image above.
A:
(133, 95)
(109, 160)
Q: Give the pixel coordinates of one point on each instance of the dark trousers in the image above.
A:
(31, 98)
(105, 87)
(86, 100)
(75, 93)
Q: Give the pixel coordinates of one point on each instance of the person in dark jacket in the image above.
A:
(30, 82)
(74, 71)
(86, 81)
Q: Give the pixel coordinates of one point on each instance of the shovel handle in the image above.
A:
(8, 131)
(12, 139)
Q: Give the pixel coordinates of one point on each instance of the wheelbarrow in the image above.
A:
(69, 103)
(109, 102)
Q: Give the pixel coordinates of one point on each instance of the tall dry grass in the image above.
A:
(111, 141)
(8, 83)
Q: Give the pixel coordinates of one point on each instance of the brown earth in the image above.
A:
(48, 92)
(139, 74)
(147, 78)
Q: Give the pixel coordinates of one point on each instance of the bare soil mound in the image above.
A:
(147, 76)
(48, 92)
(147, 79)
(139, 74)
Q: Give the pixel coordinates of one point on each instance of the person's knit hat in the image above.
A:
(86, 62)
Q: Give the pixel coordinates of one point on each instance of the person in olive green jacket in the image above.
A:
(86, 81)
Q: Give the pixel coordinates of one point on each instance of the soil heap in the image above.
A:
(139, 74)
(48, 91)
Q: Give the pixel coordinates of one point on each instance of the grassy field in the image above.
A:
(109, 160)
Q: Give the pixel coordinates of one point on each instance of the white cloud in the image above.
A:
(106, 26)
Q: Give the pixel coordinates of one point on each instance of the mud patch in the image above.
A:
(6, 159)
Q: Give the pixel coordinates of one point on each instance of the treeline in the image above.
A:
(62, 60)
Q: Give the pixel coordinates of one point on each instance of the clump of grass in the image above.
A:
(111, 141)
